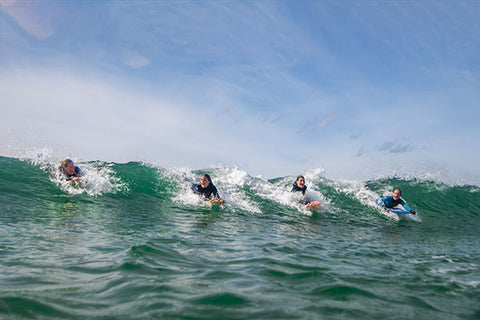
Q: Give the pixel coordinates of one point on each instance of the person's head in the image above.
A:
(68, 166)
(397, 193)
(205, 180)
(300, 181)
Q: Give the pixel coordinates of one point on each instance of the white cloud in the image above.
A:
(136, 61)
(236, 82)
(95, 117)
(96, 120)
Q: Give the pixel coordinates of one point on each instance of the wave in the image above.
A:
(148, 185)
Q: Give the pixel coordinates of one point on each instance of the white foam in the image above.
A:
(97, 177)
(363, 194)
(229, 182)
(280, 192)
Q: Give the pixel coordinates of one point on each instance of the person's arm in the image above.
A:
(195, 188)
(303, 201)
(382, 202)
(78, 172)
(216, 197)
(76, 177)
(407, 208)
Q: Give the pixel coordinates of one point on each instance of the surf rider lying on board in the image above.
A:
(207, 190)
(394, 200)
(299, 186)
(71, 172)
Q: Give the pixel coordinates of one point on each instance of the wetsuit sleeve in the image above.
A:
(303, 201)
(381, 202)
(404, 204)
(215, 193)
(195, 188)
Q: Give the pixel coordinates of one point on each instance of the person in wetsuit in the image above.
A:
(71, 172)
(207, 190)
(299, 186)
(394, 200)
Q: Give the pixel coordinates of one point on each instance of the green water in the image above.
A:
(135, 243)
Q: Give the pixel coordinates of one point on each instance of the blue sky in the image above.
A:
(359, 88)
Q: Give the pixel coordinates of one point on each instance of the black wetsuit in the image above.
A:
(296, 188)
(69, 177)
(206, 192)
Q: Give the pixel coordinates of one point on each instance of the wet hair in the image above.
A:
(207, 176)
(65, 163)
(299, 178)
(398, 190)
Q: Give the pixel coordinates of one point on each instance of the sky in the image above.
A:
(275, 88)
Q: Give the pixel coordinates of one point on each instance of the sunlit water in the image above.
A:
(134, 242)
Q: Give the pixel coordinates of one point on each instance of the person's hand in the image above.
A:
(74, 179)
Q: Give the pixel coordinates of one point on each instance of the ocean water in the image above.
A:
(133, 242)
